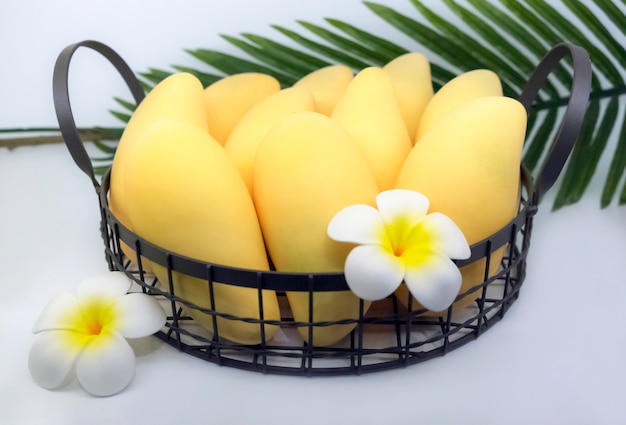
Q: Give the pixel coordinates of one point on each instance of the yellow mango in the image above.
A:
(307, 169)
(461, 89)
(410, 75)
(327, 85)
(178, 97)
(369, 111)
(468, 165)
(185, 196)
(228, 99)
(244, 139)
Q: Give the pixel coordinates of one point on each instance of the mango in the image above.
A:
(244, 140)
(228, 99)
(185, 196)
(369, 111)
(410, 76)
(179, 97)
(327, 85)
(307, 169)
(456, 92)
(468, 165)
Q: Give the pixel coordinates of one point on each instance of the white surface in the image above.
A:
(556, 358)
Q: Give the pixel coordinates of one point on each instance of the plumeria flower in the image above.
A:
(86, 334)
(400, 242)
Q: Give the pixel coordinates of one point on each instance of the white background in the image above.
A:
(145, 33)
(556, 358)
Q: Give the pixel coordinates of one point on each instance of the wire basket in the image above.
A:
(393, 332)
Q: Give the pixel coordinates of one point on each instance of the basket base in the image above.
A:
(388, 337)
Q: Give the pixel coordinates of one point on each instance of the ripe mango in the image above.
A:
(461, 89)
(228, 99)
(410, 75)
(327, 85)
(468, 165)
(244, 139)
(307, 169)
(185, 196)
(178, 97)
(369, 111)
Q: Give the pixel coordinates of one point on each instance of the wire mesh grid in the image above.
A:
(392, 333)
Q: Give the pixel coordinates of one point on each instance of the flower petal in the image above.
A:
(372, 273)
(360, 224)
(52, 357)
(62, 312)
(106, 366)
(435, 282)
(109, 284)
(446, 237)
(402, 203)
(139, 315)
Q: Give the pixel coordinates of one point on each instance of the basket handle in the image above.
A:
(62, 100)
(574, 112)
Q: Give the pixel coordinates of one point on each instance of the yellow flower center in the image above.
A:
(95, 316)
(408, 240)
(94, 328)
(396, 233)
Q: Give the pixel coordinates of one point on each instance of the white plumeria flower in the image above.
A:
(400, 242)
(87, 332)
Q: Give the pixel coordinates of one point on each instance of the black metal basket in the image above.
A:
(391, 333)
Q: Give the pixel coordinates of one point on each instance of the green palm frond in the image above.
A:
(506, 36)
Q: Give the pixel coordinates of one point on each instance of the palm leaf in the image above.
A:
(616, 171)
(386, 49)
(507, 36)
(335, 55)
(287, 56)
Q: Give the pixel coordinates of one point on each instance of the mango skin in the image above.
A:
(307, 169)
(410, 76)
(468, 165)
(178, 97)
(327, 85)
(456, 92)
(369, 111)
(228, 99)
(185, 196)
(244, 139)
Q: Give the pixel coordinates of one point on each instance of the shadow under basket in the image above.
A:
(393, 332)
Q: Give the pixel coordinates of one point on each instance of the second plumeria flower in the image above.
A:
(86, 333)
(401, 242)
